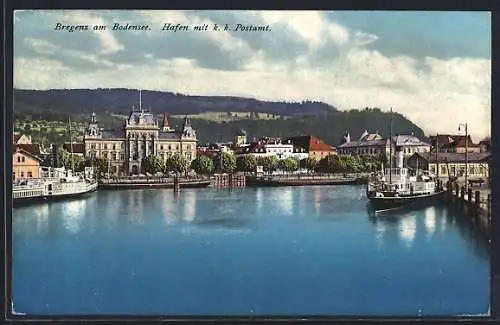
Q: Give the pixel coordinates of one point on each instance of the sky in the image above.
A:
(432, 67)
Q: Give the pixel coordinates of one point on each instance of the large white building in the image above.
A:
(374, 144)
(141, 136)
(265, 147)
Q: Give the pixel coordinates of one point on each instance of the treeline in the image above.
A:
(119, 101)
(228, 163)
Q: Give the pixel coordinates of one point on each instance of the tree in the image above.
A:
(68, 163)
(153, 164)
(227, 162)
(288, 164)
(310, 163)
(100, 164)
(203, 165)
(246, 163)
(329, 164)
(176, 163)
(268, 163)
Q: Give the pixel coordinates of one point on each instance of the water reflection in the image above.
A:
(444, 220)
(317, 199)
(285, 200)
(169, 208)
(407, 229)
(189, 205)
(41, 215)
(226, 212)
(137, 207)
(259, 199)
(430, 220)
(73, 213)
(448, 219)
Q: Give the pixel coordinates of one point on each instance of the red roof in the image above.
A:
(316, 144)
(24, 150)
(459, 142)
(33, 149)
(17, 136)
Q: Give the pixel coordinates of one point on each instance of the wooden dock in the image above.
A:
(136, 183)
(475, 202)
(228, 181)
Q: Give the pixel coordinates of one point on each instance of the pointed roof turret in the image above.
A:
(187, 123)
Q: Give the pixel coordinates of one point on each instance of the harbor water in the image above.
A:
(251, 251)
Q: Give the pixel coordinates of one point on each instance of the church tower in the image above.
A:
(165, 126)
(93, 130)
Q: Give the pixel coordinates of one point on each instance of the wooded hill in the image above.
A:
(306, 118)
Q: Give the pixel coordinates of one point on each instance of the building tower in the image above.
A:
(241, 138)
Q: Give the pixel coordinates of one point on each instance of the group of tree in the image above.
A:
(227, 163)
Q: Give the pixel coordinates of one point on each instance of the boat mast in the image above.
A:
(71, 145)
(390, 148)
(437, 148)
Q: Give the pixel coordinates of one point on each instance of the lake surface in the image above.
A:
(254, 251)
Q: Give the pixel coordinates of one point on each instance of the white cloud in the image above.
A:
(436, 94)
(109, 44)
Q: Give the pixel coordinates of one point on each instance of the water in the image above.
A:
(254, 251)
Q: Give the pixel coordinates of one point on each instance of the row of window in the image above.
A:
(29, 174)
(361, 151)
(443, 170)
(28, 193)
(20, 159)
(106, 146)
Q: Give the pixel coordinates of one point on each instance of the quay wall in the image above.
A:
(474, 202)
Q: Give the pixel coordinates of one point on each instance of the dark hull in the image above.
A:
(263, 182)
(390, 203)
(49, 198)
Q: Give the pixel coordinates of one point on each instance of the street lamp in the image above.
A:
(464, 125)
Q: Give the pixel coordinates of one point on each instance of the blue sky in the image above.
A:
(433, 67)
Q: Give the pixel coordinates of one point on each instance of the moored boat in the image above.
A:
(58, 184)
(402, 190)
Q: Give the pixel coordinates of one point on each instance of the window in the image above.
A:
(18, 158)
(161, 147)
(169, 147)
(22, 174)
(177, 147)
(114, 146)
(122, 157)
(472, 170)
(92, 146)
(23, 159)
(30, 174)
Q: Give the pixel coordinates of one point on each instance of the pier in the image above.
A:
(228, 180)
(306, 180)
(152, 182)
(475, 202)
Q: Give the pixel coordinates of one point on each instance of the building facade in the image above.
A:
(314, 147)
(25, 165)
(26, 158)
(452, 164)
(368, 144)
(125, 150)
(266, 147)
(454, 143)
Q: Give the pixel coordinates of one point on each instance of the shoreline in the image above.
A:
(250, 181)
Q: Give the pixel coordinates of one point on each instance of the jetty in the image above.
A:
(152, 182)
(476, 202)
(306, 180)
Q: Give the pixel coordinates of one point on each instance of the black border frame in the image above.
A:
(6, 125)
